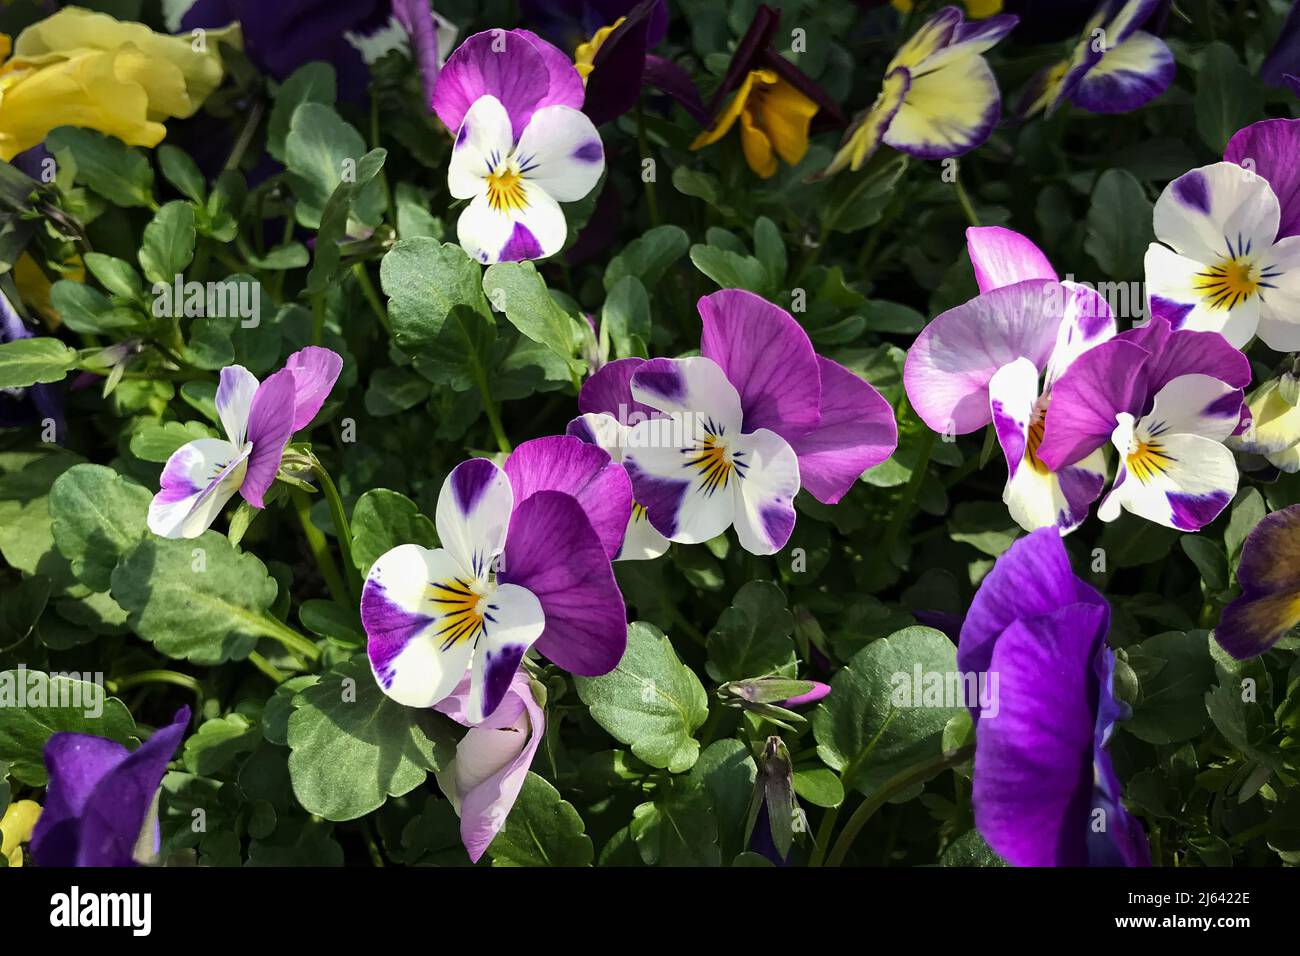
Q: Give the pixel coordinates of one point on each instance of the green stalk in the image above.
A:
(493, 414)
(342, 529)
(277, 630)
(276, 675)
(319, 548)
(371, 295)
(967, 207)
(159, 676)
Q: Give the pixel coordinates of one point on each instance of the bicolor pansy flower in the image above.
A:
(1166, 400)
(939, 97)
(101, 804)
(757, 415)
(1273, 431)
(1219, 264)
(1044, 788)
(258, 419)
(996, 360)
(483, 780)
(1269, 576)
(1115, 66)
(609, 413)
(522, 146)
(773, 100)
(1269, 149)
(524, 562)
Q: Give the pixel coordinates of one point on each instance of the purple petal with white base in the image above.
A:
(554, 552)
(567, 464)
(270, 425)
(197, 481)
(609, 390)
(315, 370)
(1103, 382)
(1004, 257)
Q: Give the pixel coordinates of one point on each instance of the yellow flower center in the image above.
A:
(1147, 459)
(505, 189)
(714, 461)
(1232, 281)
(1032, 440)
(461, 606)
(584, 57)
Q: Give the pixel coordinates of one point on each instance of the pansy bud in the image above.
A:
(773, 808)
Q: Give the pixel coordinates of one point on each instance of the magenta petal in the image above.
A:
(1185, 352)
(315, 370)
(516, 72)
(270, 424)
(767, 356)
(416, 18)
(857, 432)
(1271, 147)
(553, 551)
(950, 364)
(1033, 780)
(1102, 382)
(1004, 257)
(564, 82)
(609, 390)
(585, 471)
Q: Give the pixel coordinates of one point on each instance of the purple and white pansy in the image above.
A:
(258, 419)
(996, 360)
(524, 562)
(1222, 262)
(741, 427)
(523, 145)
(1115, 66)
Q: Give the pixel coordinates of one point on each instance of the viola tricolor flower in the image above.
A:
(1268, 149)
(1273, 431)
(101, 802)
(523, 145)
(483, 780)
(1269, 575)
(1044, 788)
(258, 418)
(1115, 66)
(525, 561)
(774, 101)
(757, 415)
(939, 97)
(1221, 263)
(996, 358)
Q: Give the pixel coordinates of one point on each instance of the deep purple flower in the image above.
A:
(1269, 575)
(1045, 791)
(23, 406)
(524, 562)
(100, 805)
(1283, 62)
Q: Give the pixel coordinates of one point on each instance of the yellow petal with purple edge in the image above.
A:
(1269, 575)
(864, 137)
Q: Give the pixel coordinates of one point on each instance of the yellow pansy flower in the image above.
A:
(1274, 430)
(16, 826)
(975, 9)
(34, 285)
(80, 68)
(774, 121)
(584, 57)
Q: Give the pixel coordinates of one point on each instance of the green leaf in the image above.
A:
(349, 197)
(650, 701)
(1174, 671)
(726, 771)
(312, 83)
(819, 786)
(649, 256)
(327, 619)
(752, 637)
(120, 174)
(219, 741)
(730, 270)
(26, 529)
(984, 525)
(352, 747)
(1227, 97)
(382, 520)
(35, 705)
(116, 275)
(1119, 224)
(517, 289)
(393, 389)
(321, 151)
(969, 849)
(34, 361)
(157, 442)
(200, 599)
(168, 245)
(98, 516)
(542, 829)
(676, 829)
(872, 726)
(182, 172)
(625, 318)
(769, 246)
(88, 310)
(1209, 560)
(1247, 511)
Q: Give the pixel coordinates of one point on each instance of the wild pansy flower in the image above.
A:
(609, 412)
(1273, 431)
(1221, 263)
(1269, 149)
(483, 780)
(939, 97)
(1044, 789)
(81, 68)
(258, 418)
(1269, 576)
(101, 802)
(1115, 66)
(774, 101)
(975, 9)
(523, 146)
(997, 358)
(1167, 399)
(615, 63)
(524, 562)
(773, 807)
(757, 415)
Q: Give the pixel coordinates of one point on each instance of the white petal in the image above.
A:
(1013, 392)
(482, 752)
(234, 401)
(697, 388)
(560, 151)
(1088, 321)
(1279, 300)
(1177, 480)
(605, 432)
(1195, 405)
(769, 479)
(686, 490)
(197, 481)
(512, 621)
(641, 542)
(1216, 211)
(484, 138)
(473, 515)
(535, 231)
(1176, 278)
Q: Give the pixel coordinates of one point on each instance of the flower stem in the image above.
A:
(962, 197)
(342, 529)
(904, 510)
(651, 200)
(918, 773)
(319, 548)
(276, 675)
(371, 296)
(493, 414)
(277, 630)
(159, 676)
